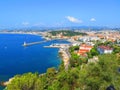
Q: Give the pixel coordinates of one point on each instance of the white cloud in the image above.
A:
(25, 23)
(73, 19)
(92, 19)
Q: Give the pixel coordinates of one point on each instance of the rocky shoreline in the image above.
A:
(6, 82)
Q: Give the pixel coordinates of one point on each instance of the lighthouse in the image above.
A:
(25, 44)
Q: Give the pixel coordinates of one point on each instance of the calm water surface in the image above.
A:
(16, 59)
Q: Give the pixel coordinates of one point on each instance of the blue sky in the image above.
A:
(24, 13)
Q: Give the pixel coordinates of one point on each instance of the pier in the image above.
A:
(33, 43)
(57, 45)
(64, 50)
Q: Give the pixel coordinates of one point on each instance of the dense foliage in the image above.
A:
(67, 33)
(116, 49)
(93, 52)
(89, 77)
(80, 75)
(76, 60)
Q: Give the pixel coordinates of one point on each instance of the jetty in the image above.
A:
(57, 45)
(33, 43)
(64, 50)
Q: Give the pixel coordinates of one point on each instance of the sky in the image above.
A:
(58, 13)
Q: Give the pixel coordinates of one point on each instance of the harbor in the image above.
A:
(64, 50)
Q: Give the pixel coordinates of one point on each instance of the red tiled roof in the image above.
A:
(86, 46)
(82, 51)
(105, 47)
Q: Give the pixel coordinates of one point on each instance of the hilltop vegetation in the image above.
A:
(67, 33)
(80, 76)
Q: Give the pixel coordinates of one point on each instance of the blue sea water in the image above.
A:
(16, 59)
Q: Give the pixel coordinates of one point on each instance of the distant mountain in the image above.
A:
(62, 28)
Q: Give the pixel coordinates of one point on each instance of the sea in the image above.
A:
(17, 59)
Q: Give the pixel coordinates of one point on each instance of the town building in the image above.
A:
(104, 49)
(83, 49)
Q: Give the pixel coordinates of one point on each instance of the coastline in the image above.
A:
(4, 84)
(65, 58)
(30, 33)
(64, 50)
(64, 54)
(41, 34)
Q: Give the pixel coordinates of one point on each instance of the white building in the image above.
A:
(104, 49)
(88, 39)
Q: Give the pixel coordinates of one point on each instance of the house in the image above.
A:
(104, 49)
(86, 47)
(83, 49)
